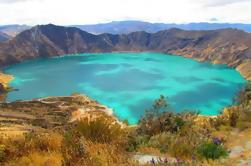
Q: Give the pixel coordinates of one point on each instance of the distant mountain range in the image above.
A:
(227, 46)
(125, 27)
(13, 30)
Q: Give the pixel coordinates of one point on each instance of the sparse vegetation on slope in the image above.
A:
(96, 138)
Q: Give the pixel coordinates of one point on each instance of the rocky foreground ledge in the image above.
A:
(53, 112)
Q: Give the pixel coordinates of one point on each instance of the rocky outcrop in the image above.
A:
(50, 112)
(228, 46)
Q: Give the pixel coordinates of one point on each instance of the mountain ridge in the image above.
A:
(225, 46)
(4, 37)
(125, 27)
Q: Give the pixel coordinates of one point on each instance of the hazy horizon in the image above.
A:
(126, 21)
(84, 12)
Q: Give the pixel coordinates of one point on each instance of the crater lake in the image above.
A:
(129, 83)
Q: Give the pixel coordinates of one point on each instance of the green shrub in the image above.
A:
(169, 132)
(161, 118)
(210, 150)
(164, 122)
(135, 141)
(182, 149)
(161, 141)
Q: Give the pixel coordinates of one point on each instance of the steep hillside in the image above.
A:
(4, 37)
(228, 46)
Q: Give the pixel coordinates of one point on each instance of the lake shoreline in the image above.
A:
(171, 55)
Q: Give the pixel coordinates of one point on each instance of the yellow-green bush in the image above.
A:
(210, 150)
(51, 141)
(101, 129)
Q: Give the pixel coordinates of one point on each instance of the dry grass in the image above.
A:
(106, 155)
(38, 159)
(150, 150)
(102, 128)
(14, 130)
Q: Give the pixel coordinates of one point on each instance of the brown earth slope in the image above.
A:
(47, 113)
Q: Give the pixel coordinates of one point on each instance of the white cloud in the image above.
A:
(15, 1)
(11, 1)
(95, 11)
(214, 3)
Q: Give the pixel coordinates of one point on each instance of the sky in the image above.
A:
(72, 12)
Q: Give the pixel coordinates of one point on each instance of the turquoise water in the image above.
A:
(129, 82)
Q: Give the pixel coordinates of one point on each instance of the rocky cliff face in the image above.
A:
(228, 46)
